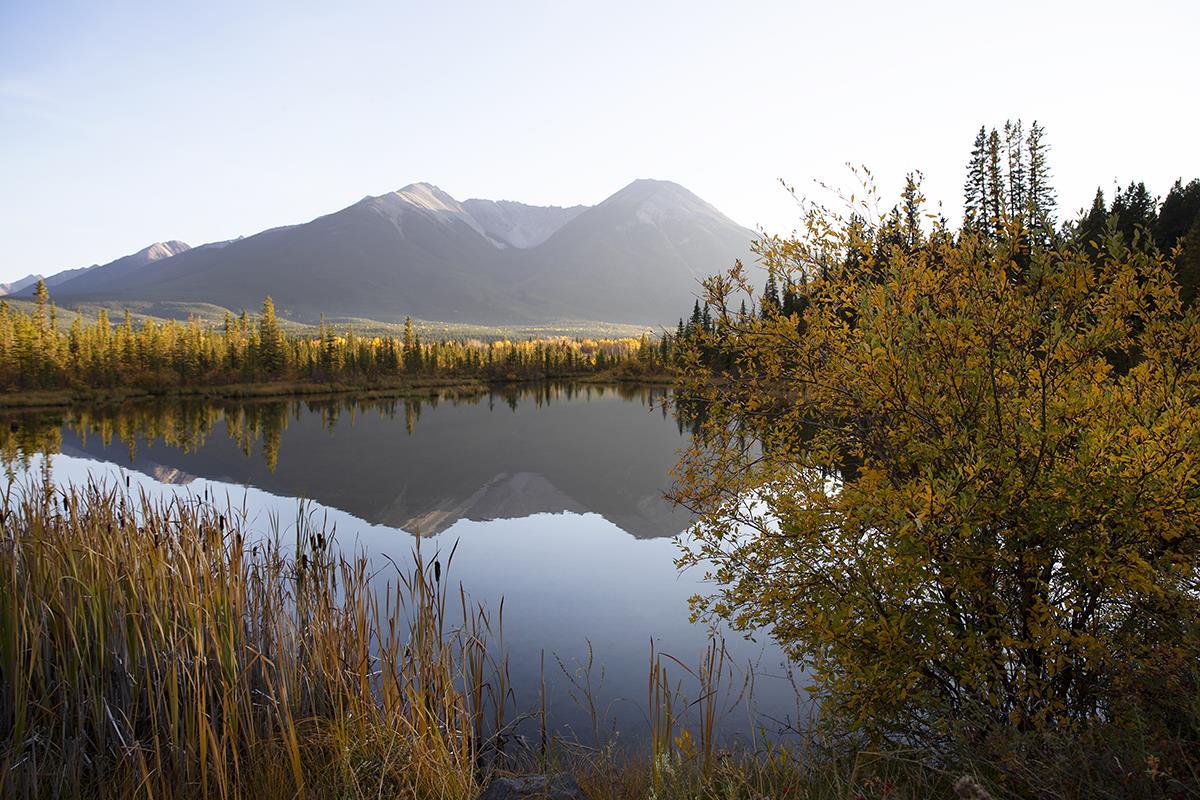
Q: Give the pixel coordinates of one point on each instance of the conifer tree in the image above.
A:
(410, 345)
(41, 306)
(270, 344)
(911, 201)
(770, 298)
(995, 184)
(1040, 200)
(1135, 212)
(1089, 230)
(1014, 154)
(1187, 265)
(975, 189)
(1178, 212)
(696, 320)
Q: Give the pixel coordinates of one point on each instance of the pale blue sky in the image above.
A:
(126, 123)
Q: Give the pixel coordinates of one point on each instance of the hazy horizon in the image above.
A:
(125, 126)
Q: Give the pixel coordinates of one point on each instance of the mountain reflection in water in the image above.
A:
(415, 464)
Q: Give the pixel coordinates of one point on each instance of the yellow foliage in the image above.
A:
(961, 484)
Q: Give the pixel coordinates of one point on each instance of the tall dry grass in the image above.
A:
(149, 649)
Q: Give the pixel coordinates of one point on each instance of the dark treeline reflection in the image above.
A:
(418, 463)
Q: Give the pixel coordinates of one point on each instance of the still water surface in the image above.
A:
(553, 495)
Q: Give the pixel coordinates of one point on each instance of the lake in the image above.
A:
(552, 493)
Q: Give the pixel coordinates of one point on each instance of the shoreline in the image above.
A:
(41, 399)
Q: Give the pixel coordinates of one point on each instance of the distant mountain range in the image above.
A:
(637, 257)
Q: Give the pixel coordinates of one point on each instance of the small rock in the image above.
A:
(534, 787)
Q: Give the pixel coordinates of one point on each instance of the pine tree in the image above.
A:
(995, 185)
(41, 305)
(1088, 232)
(1040, 199)
(410, 345)
(1187, 265)
(270, 342)
(695, 324)
(128, 355)
(770, 298)
(1014, 154)
(911, 200)
(1136, 212)
(329, 353)
(1178, 212)
(975, 189)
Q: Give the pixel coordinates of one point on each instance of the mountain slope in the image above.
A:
(114, 276)
(517, 225)
(373, 259)
(19, 284)
(637, 257)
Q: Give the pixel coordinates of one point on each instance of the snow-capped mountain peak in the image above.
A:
(423, 198)
(428, 197)
(161, 250)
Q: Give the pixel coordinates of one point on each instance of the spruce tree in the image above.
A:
(1040, 199)
(1014, 154)
(770, 299)
(1187, 265)
(41, 305)
(911, 202)
(1088, 232)
(1178, 212)
(975, 188)
(270, 341)
(995, 184)
(410, 345)
(1136, 212)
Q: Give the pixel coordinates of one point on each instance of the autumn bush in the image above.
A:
(958, 478)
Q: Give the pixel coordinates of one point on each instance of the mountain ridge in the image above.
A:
(635, 257)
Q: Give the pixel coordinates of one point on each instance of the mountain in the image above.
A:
(99, 278)
(66, 275)
(102, 277)
(26, 286)
(19, 284)
(637, 257)
(510, 224)
(640, 254)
